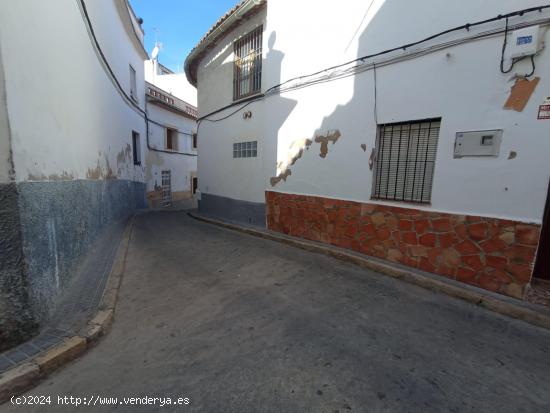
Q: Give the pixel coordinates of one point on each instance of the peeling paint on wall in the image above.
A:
(64, 176)
(331, 136)
(101, 172)
(281, 177)
(520, 94)
(364, 147)
(296, 151)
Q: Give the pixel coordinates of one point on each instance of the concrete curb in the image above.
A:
(25, 376)
(508, 306)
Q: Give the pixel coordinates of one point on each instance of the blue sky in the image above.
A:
(178, 25)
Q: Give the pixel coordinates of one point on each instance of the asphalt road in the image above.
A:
(235, 323)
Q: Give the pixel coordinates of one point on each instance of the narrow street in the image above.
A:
(241, 324)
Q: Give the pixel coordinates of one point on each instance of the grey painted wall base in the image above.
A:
(250, 213)
(57, 224)
(17, 322)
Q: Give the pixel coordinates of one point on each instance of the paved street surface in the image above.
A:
(240, 324)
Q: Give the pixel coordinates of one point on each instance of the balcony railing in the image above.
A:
(156, 93)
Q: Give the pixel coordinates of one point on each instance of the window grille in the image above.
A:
(166, 188)
(405, 160)
(247, 71)
(245, 149)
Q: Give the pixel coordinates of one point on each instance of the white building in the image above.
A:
(424, 148)
(171, 161)
(72, 134)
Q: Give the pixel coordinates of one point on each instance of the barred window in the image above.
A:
(247, 69)
(245, 149)
(405, 160)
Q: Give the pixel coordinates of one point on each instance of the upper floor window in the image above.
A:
(136, 148)
(247, 72)
(405, 160)
(171, 139)
(133, 84)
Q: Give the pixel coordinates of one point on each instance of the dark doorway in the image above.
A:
(542, 264)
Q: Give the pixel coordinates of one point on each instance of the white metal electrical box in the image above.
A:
(525, 42)
(478, 143)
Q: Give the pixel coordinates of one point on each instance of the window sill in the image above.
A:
(397, 202)
(243, 99)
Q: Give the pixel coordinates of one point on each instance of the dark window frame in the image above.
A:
(247, 64)
(171, 139)
(136, 147)
(404, 162)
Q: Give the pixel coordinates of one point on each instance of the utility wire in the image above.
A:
(279, 87)
(129, 101)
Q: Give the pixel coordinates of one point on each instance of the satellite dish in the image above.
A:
(155, 52)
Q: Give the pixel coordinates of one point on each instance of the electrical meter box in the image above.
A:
(478, 143)
(525, 42)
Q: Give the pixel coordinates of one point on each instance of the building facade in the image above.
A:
(423, 145)
(171, 160)
(72, 124)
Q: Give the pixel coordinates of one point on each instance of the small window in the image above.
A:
(136, 148)
(195, 184)
(405, 161)
(171, 139)
(194, 141)
(247, 67)
(133, 84)
(245, 149)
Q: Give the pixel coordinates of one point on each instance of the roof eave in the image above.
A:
(244, 9)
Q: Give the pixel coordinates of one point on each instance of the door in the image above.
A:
(542, 265)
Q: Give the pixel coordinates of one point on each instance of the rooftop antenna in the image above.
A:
(156, 49)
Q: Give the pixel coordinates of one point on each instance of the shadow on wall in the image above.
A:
(479, 251)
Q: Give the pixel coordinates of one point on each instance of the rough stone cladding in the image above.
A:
(494, 254)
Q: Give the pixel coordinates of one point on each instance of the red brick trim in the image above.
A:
(494, 254)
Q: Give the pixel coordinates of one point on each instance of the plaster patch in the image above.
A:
(281, 177)
(520, 94)
(331, 136)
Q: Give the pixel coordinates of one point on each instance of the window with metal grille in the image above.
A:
(245, 149)
(405, 160)
(247, 69)
(166, 177)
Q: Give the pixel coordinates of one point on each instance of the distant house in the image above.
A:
(171, 164)
(413, 132)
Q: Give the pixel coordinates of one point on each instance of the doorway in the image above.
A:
(542, 263)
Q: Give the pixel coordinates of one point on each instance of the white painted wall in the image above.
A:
(182, 167)
(219, 173)
(175, 84)
(465, 88)
(65, 114)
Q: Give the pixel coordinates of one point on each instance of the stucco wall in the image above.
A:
(67, 120)
(461, 84)
(71, 145)
(182, 167)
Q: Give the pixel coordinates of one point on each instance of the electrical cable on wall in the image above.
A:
(128, 100)
(358, 68)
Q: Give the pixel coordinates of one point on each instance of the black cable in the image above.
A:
(534, 67)
(466, 26)
(119, 87)
(375, 95)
